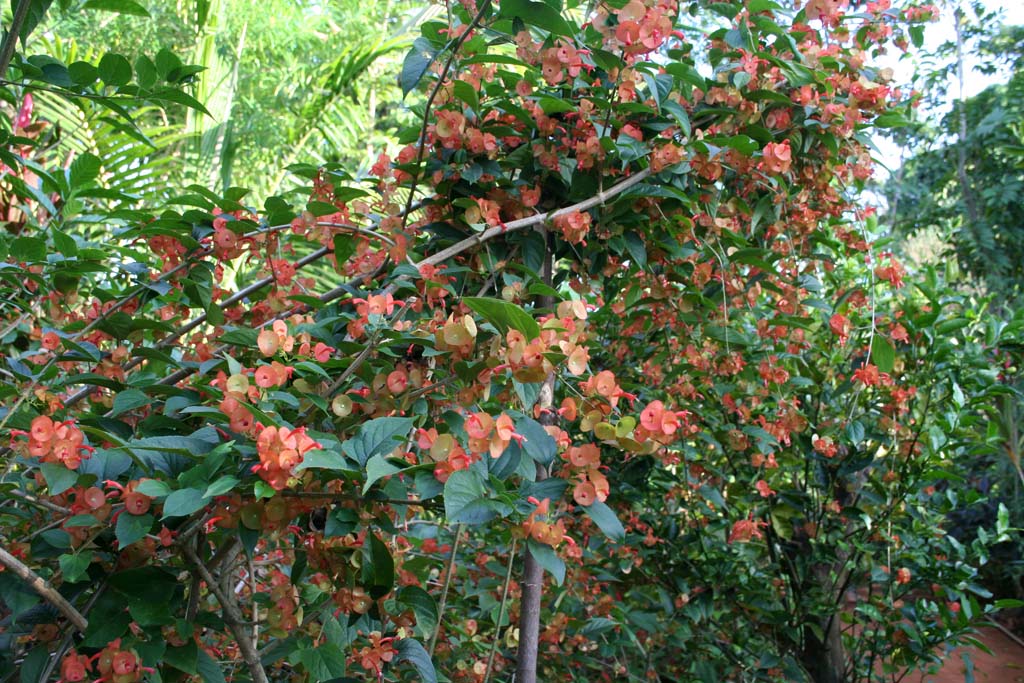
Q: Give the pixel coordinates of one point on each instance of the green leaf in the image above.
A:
(417, 61)
(154, 488)
(322, 460)
(36, 12)
(31, 669)
(221, 486)
(377, 468)
(422, 605)
(131, 528)
(375, 437)
(84, 170)
(153, 583)
(891, 119)
(28, 249)
(185, 658)
(58, 477)
(344, 247)
(636, 248)
(208, 668)
(179, 97)
(121, 7)
(75, 566)
(64, 243)
(883, 354)
(184, 502)
(549, 559)
(129, 400)
(537, 443)
(462, 488)
(323, 663)
(605, 518)
(115, 70)
(379, 568)
(504, 315)
(412, 651)
(537, 14)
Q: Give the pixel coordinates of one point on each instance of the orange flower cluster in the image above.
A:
(281, 450)
(574, 226)
(545, 532)
(118, 666)
(444, 451)
(284, 614)
(74, 668)
(487, 434)
(379, 652)
(592, 485)
(53, 442)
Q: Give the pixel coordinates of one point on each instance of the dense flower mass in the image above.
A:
(609, 304)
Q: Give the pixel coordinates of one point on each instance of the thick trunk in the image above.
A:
(823, 658)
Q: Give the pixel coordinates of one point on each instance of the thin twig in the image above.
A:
(444, 591)
(39, 502)
(501, 610)
(11, 39)
(44, 589)
(484, 6)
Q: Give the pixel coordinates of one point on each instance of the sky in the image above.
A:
(936, 34)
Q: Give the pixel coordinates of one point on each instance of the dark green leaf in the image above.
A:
(537, 14)
(605, 518)
(127, 400)
(883, 354)
(131, 528)
(208, 668)
(504, 315)
(184, 502)
(58, 477)
(549, 559)
(416, 63)
(376, 437)
(412, 651)
(115, 70)
(381, 568)
(121, 7)
(537, 443)
(33, 664)
(75, 565)
(422, 605)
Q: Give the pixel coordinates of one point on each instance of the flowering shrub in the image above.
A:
(600, 307)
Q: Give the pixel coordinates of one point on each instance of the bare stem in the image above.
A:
(484, 6)
(234, 619)
(11, 38)
(444, 591)
(501, 610)
(45, 590)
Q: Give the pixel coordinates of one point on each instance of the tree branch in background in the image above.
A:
(11, 37)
